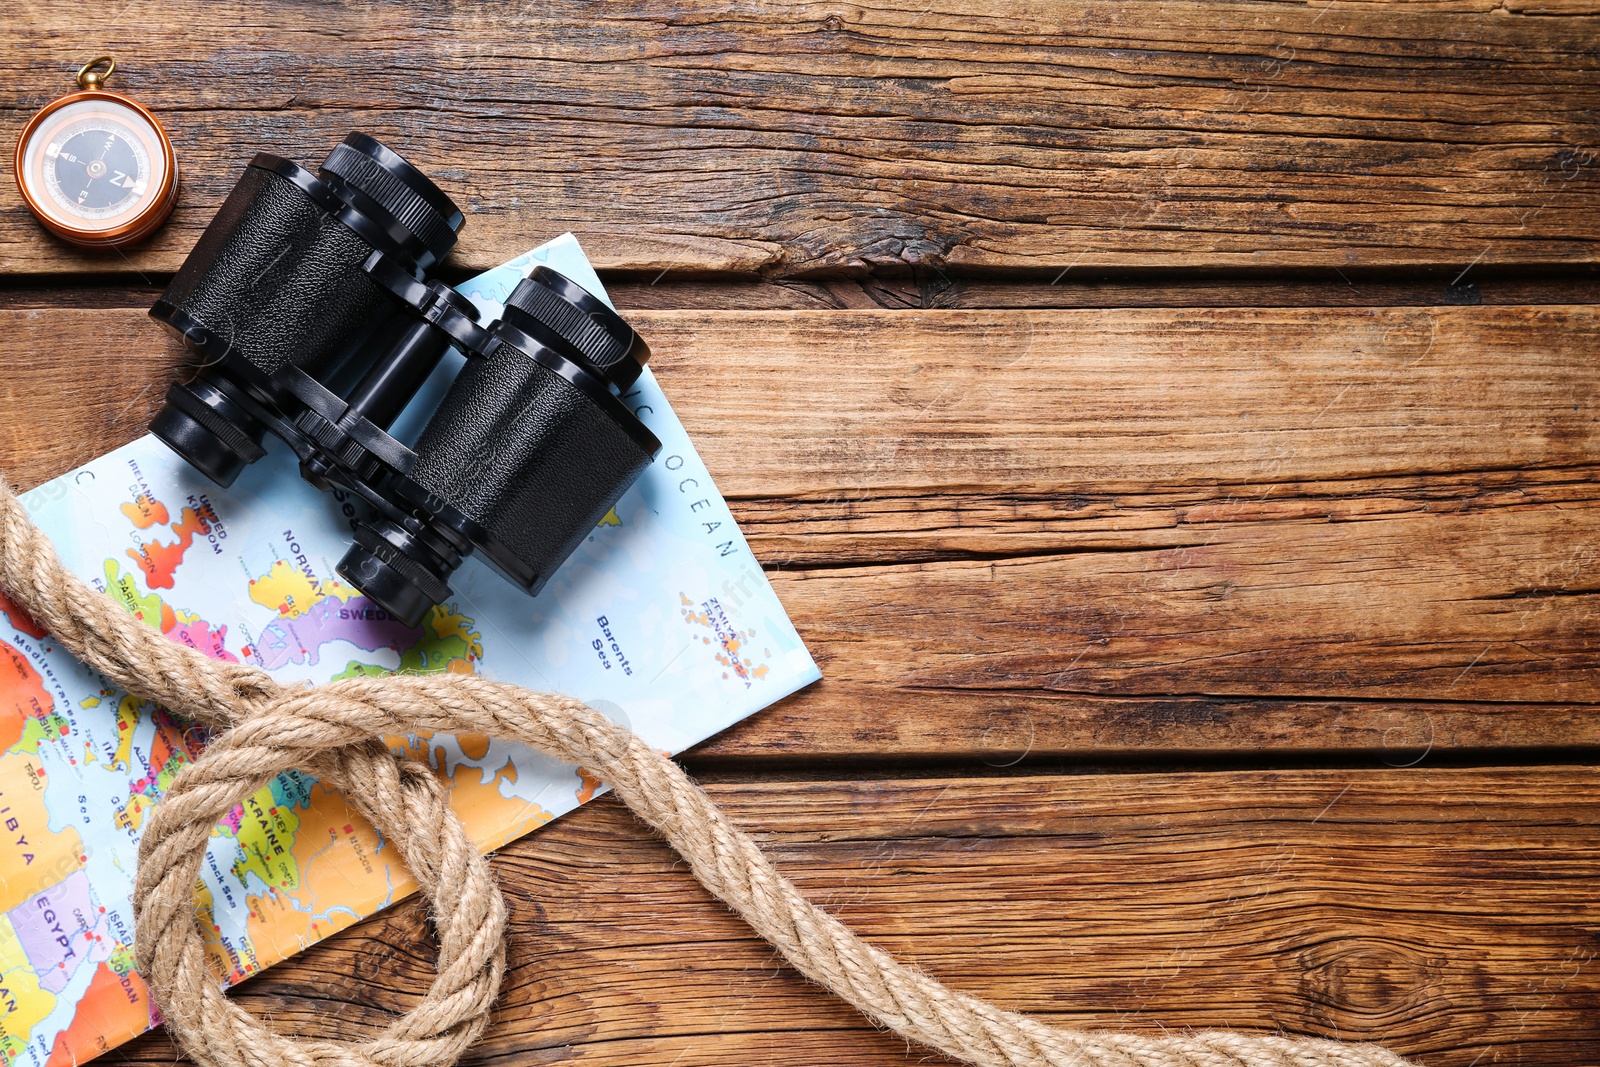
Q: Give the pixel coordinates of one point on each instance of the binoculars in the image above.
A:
(308, 312)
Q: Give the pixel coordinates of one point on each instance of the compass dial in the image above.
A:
(97, 170)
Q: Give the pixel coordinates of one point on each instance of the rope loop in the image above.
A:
(336, 731)
(407, 804)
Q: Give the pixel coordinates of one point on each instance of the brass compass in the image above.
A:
(96, 167)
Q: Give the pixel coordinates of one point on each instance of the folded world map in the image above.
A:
(662, 619)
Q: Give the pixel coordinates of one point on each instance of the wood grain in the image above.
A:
(936, 290)
(1128, 399)
(1101, 388)
(831, 410)
(1448, 913)
(801, 137)
(1025, 534)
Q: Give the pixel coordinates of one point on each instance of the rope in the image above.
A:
(334, 731)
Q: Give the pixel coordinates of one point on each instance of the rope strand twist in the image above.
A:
(335, 732)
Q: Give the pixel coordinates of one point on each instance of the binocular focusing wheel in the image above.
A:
(391, 579)
(409, 206)
(591, 339)
(549, 305)
(212, 441)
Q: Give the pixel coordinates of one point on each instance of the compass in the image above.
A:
(95, 167)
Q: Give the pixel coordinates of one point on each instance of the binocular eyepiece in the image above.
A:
(309, 312)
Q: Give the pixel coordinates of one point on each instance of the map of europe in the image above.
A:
(662, 618)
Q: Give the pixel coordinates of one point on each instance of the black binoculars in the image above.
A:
(308, 313)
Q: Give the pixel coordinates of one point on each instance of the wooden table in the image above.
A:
(1172, 426)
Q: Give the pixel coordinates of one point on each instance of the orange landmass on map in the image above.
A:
(338, 856)
(20, 620)
(491, 817)
(145, 512)
(112, 1009)
(159, 561)
(473, 746)
(22, 695)
(32, 855)
(321, 856)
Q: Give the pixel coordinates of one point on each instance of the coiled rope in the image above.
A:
(335, 732)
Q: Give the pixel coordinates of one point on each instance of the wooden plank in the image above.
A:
(935, 290)
(796, 138)
(1448, 913)
(851, 405)
(1454, 610)
(1428, 575)
(1014, 535)
(832, 410)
